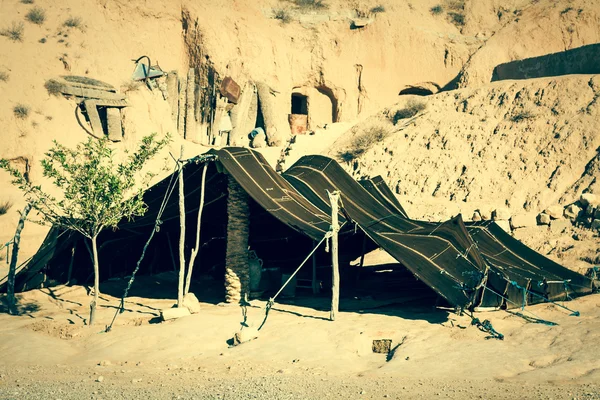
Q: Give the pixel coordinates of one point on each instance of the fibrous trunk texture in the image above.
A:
(237, 271)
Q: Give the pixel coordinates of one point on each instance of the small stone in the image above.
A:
(572, 211)
(259, 141)
(590, 210)
(476, 216)
(501, 214)
(543, 219)
(505, 225)
(382, 346)
(596, 224)
(597, 213)
(589, 199)
(104, 363)
(100, 379)
(486, 214)
(555, 212)
(174, 313)
(190, 301)
(522, 220)
(245, 335)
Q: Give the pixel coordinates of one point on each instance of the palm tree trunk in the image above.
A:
(237, 271)
(96, 281)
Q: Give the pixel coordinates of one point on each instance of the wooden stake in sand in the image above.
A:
(12, 271)
(335, 286)
(181, 233)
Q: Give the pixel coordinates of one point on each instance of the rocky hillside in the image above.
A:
(522, 147)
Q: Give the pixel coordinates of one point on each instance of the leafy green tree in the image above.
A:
(97, 191)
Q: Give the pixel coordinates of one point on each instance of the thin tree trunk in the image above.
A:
(237, 273)
(12, 271)
(335, 287)
(188, 280)
(181, 235)
(94, 302)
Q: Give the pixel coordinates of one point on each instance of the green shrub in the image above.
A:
(27, 1)
(53, 87)
(378, 9)
(522, 115)
(310, 3)
(21, 111)
(3, 76)
(15, 32)
(73, 22)
(412, 108)
(36, 15)
(436, 10)
(363, 142)
(457, 19)
(283, 15)
(5, 206)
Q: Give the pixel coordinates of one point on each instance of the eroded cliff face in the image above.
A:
(360, 70)
(524, 145)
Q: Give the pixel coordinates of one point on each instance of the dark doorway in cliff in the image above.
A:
(299, 104)
(416, 91)
(334, 102)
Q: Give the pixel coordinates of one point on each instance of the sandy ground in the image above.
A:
(49, 352)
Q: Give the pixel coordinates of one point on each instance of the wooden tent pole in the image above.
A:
(188, 280)
(181, 233)
(335, 286)
(315, 284)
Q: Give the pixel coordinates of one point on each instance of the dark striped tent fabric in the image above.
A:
(474, 265)
(517, 274)
(470, 265)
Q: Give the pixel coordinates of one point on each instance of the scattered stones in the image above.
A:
(191, 303)
(382, 346)
(543, 219)
(476, 216)
(572, 211)
(174, 313)
(522, 220)
(501, 214)
(555, 212)
(104, 363)
(505, 225)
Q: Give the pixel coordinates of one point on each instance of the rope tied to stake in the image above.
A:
(271, 301)
(486, 326)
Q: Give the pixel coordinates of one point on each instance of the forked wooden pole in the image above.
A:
(335, 286)
(188, 280)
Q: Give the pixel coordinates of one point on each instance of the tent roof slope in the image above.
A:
(272, 192)
(441, 255)
(512, 264)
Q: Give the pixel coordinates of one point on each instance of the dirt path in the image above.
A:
(49, 353)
